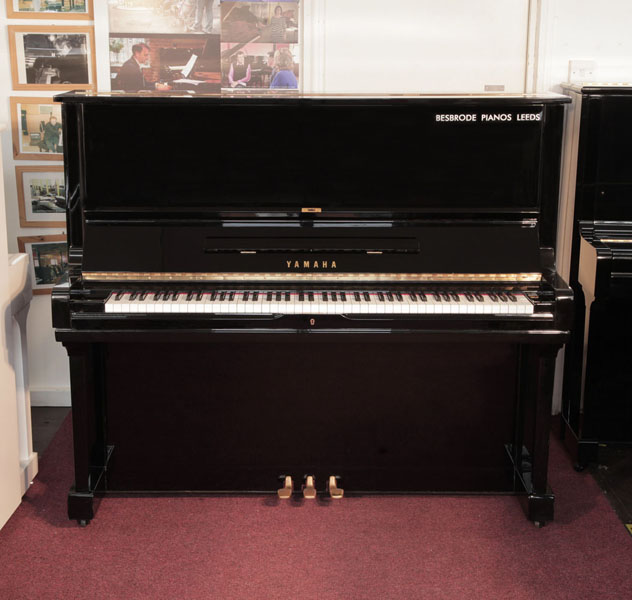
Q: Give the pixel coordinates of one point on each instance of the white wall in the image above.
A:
(48, 363)
(585, 30)
(424, 46)
(379, 46)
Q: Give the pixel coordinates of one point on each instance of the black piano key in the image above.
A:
(277, 298)
(399, 297)
(334, 297)
(455, 297)
(175, 296)
(502, 297)
(389, 295)
(422, 296)
(231, 296)
(301, 297)
(310, 296)
(367, 297)
(189, 296)
(142, 296)
(166, 295)
(412, 296)
(287, 296)
(199, 296)
(246, 296)
(222, 296)
(119, 295)
(343, 296)
(478, 296)
(436, 296)
(269, 297)
(380, 296)
(356, 296)
(213, 296)
(133, 296)
(445, 296)
(493, 297)
(324, 296)
(157, 296)
(255, 296)
(469, 297)
(511, 297)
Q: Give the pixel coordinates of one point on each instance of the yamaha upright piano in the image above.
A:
(312, 296)
(597, 407)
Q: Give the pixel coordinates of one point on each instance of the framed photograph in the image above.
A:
(172, 61)
(41, 196)
(52, 57)
(260, 66)
(49, 259)
(50, 9)
(262, 22)
(36, 129)
(163, 16)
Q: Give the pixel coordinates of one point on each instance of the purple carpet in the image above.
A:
(382, 547)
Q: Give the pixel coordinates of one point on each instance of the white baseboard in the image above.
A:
(57, 397)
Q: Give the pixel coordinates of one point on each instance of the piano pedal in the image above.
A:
(309, 487)
(285, 492)
(334, 491)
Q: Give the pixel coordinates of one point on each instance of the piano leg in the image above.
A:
(530, 451)
(88, 422)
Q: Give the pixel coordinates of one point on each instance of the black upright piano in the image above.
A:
(597, 402)
(312, 296)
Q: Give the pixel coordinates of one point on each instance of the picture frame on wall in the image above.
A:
(49, 259)
(36, 128)
(41, 196)
(50, 9)
(52, 57)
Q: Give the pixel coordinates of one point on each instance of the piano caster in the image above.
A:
(83, 522)
(285, 492)
(309, 488)
(334, 491)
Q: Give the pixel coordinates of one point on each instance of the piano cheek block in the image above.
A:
(312, 331)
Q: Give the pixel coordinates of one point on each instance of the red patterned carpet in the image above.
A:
(389, 547)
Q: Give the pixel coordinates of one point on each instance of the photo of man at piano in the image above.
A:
(130, 78)
(163, 62)
(255, 66)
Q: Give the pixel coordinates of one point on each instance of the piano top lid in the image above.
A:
(277, 96)
(621, 88)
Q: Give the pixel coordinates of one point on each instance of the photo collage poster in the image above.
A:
(204, 46)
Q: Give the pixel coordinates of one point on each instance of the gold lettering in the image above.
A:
(306, 264)
(333, 264)
(324, 264)
(289, 263)
(315, 264)
(297, 265)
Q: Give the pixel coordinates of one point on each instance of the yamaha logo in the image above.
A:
(311, 264)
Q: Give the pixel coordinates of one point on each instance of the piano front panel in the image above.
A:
(387, 414)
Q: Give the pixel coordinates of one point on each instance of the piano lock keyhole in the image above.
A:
(312, 321)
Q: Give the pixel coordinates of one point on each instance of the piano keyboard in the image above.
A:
(260, 302)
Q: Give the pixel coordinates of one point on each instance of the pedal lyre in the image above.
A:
(334, 491)
(286, 491)
(309, 489)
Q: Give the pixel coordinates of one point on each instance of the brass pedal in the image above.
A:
(334, 491)
(309, 488)
(286, 491)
